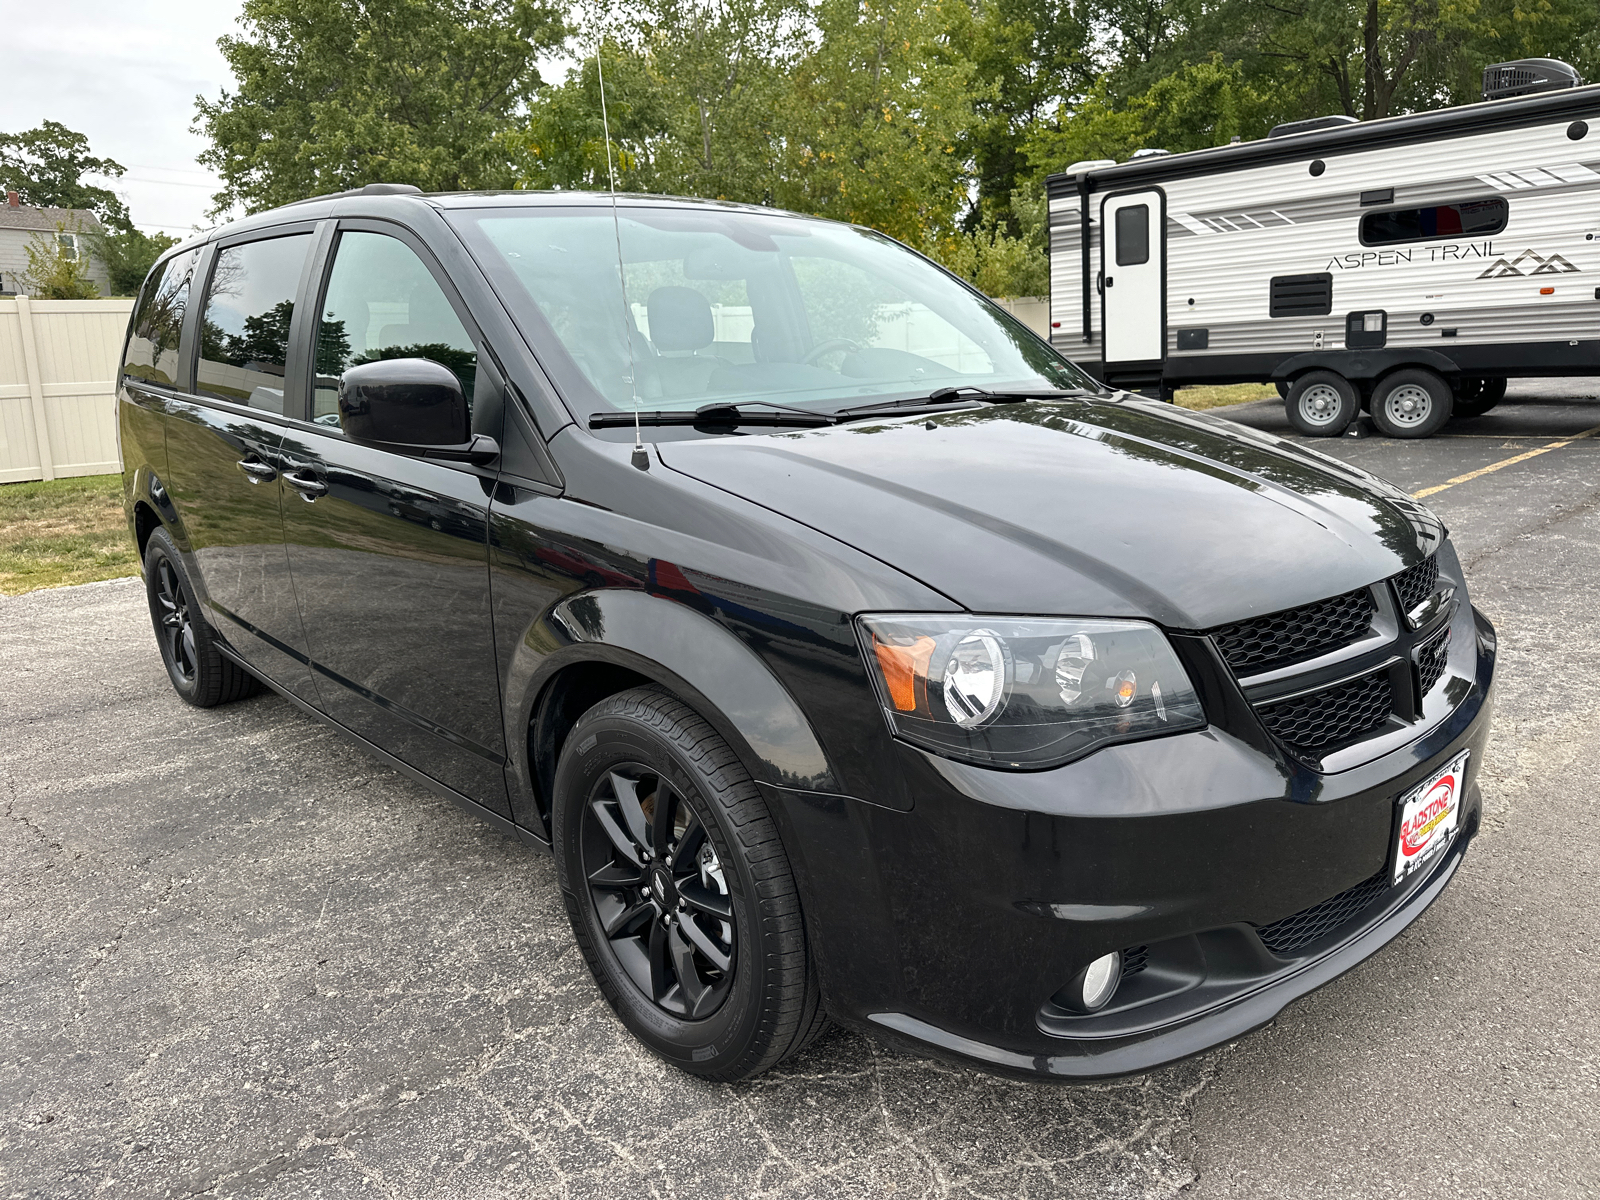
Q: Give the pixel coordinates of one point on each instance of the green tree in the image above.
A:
(1029, 57)
(334, 94)
(47, 165)
(128, 256)
(878, 116)
(694, 93)
(999, 263)
(1198, 105)
(563, 145)
(56, 272)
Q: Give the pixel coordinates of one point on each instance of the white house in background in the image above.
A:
(20, 224)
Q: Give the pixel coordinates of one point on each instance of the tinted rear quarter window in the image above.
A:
(1466, 218)
(152, 352)
(244, 330)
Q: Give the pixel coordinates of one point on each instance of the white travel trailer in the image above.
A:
(1407, 265)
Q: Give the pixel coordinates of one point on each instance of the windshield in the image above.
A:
(726, 307)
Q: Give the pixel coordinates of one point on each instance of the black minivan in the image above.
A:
(857, 656)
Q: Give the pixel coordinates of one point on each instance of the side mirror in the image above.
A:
(412, 406)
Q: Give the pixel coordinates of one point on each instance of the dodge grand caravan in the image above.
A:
(856, 656)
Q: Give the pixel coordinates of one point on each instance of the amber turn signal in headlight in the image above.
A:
(1024, 691)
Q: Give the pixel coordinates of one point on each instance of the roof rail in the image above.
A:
(371, 189)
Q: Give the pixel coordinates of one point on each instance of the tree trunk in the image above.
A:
(1372, 104)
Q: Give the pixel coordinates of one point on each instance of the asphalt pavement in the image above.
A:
(237, 958)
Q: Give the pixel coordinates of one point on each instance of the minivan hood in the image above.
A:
(1084, 508)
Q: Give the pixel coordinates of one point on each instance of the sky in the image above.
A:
(124, 73)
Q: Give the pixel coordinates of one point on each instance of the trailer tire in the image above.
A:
(1476, 396)
(1412, 402)
(1321, 404)
(1283, 387)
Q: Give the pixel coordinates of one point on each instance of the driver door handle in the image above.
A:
(258, 471)
(306, 484)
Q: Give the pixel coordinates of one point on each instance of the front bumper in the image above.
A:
(950, 928)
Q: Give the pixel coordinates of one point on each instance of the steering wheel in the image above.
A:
(828, 346)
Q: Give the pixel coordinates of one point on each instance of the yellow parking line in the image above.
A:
(1504, 462)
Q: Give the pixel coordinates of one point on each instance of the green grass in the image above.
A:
(63, 532)
(1217, 396)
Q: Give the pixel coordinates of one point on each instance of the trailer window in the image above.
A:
(1133, 235)
(1466, 218)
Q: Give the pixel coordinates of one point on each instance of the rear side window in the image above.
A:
(1468, 218)
(382, 302)
(244, 332)
(1133, 235)
(152, 352)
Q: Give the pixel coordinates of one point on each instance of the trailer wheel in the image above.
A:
(1321, 404)
(1283, 387)
(1474, 397)
(1412, 402)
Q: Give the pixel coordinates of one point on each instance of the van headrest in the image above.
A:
(680, 319)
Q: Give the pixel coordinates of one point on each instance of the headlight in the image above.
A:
(1025, 691)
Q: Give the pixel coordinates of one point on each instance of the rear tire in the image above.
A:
(1412, 402)
(1321, 404)
(197, 669)
(1474, 397)
(679, 891)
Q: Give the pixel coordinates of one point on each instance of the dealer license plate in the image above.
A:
(1428, 814)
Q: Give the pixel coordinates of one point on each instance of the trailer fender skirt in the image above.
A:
(1365, 364)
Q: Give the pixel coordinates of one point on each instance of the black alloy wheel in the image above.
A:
(173, 623)
(198, 671)
(658, 888)
(679, 889)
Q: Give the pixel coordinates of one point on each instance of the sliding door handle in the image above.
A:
(258, 471)
(306, 484)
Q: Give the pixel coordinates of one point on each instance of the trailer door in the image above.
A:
(1133, 277)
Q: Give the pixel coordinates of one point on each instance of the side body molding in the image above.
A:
(683, 650)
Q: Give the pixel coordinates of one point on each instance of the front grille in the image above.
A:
(1135, 960)
(1285, 936)
(1295, 634)
(1430, 662)
(1416, 584)
(1317, 721)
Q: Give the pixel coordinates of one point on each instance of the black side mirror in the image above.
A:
(413, 406)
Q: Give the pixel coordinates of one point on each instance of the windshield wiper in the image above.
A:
(961, 395)
(716, 416)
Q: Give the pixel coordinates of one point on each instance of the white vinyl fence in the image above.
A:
(1032, 311)
(58, 370)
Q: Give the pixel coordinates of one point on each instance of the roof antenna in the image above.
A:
(641, 456)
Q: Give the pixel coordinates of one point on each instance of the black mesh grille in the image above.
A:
(1135, 960)
(1416, 584)
(1311, 924)
(1296, 634)
(1313, 723)
(1430, 661)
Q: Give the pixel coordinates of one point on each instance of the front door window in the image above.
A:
(382, 302)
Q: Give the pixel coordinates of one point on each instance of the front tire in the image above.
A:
(1321, 404)
(679, 891)
(1412, 402)
(198, 671)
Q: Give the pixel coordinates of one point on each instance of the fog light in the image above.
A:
(1096, 984)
